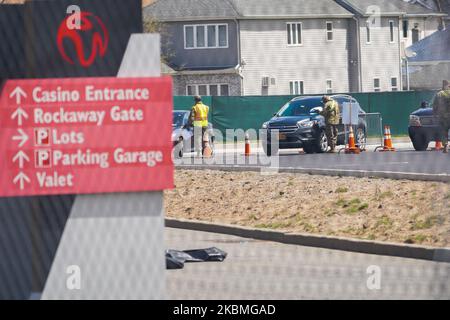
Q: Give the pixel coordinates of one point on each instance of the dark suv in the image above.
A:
(423, 128)
(300, 126)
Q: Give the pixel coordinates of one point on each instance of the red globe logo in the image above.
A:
(89, 24)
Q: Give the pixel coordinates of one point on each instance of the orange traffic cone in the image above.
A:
(388, 147)
(247, 145)
(351, 143)
(438, 146)
(207, 151)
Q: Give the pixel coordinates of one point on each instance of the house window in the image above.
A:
(368, 38)
(191, 90)
(391, 30)
(394, 84)
(329, 31)
(329, 88)
(223, 35)
(296, 87)
(224, 90)
(189, 37)
(405, 27)
(203, 90)
(200, 36)
(212, 36)
(376, 85)
(213, 90)
(208, 90)
(206, 36)
(294, 33)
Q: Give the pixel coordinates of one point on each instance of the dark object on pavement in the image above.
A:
(182, 256)
(173, 263)
(175, 259)
(210, 254)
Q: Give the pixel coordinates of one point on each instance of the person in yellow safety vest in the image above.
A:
(199, 119)
(441, 109)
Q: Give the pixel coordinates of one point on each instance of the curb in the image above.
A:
(325, 172)
(318, 241)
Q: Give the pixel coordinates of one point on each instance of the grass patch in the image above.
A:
(418, 238)
(428, 223)
(384, 221)
(371, 237)
(330, 212)
(274, 225)
(384, 195)
(353, 231)
(355, 201)
(308, 227)
(341, 203)
(352, 206)
(341, 190)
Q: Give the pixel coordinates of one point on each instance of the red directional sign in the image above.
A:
(85, 135)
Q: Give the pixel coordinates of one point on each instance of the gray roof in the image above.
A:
(289, 8)
(190, 9)
(229, 9)
(445, 6)
(430, 4)
(389, 7)
(433, 48)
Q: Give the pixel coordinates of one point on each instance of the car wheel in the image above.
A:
(361, 138)
(270, 150)
(420, 142)
(178, 150)
(321, 144)
(308, 148)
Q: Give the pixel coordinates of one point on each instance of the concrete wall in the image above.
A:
(266, 52)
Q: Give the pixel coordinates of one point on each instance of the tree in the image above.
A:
(152, 25)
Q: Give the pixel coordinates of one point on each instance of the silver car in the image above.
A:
(183, 134)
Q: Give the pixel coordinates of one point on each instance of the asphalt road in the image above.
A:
(257, 270)
(405, 160)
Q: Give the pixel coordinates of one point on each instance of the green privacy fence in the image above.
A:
(252, 111)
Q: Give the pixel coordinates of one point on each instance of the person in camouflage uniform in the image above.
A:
(331, 113)
(441, 109)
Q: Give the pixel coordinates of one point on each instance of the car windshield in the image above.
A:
(178, 119)
(299, 107)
